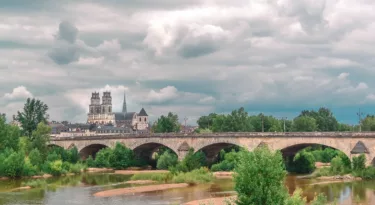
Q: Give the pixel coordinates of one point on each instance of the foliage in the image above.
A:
(197, 176)
(206, 122)
(159, 177)
(12, 163)
(56, 168)
(368, 123)
(319, 199)
(359, 162)
(34, 112)
(9, 136)
(337, 166)
(90, 162)
(304, 124)
(324, 119)
(76, 168)
(259, 177)
(304, 162)
(167, 123)
(166, 160)
(102, 157)
(35, 157)
(296, 198)
(40, 138)
(190, 162)
(229, 162)
(121, 157)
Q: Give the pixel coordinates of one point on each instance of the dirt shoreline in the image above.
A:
(140, 189)
(223, 175)
(130, 172)
(140, 182)
(216, 201)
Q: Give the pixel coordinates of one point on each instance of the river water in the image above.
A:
(79, 189)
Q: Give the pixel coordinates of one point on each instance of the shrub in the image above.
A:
(53, 156)
(73, 155)
(259, 177)
(160, 177)
(90, 162)
(56, 168)
(337, 166)
(65, 167)
(12, 165)
(196, 176)
(120, 157)
(35, 157)
(29, 169)
(359, 163)
(76, 168)
(102, 158)
(304, 162)
(166, 160)
(229, 162)
(296, 198)
(190, 162)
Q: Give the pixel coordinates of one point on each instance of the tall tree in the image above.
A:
(34, 112)
(9, 136)
(206, 122)
(304, 124)
(368, 123)
(167, 123)
(324, 118)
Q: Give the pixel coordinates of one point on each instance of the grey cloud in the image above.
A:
(63, 53)
(197, 48)
(67, 32)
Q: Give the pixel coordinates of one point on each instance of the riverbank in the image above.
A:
(131, 172)
(140, 189)
(216, 201)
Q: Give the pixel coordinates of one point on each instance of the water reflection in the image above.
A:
(79, 189)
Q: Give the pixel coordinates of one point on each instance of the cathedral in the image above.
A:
(101, 113)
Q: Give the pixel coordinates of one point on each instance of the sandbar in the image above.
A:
(139, 189)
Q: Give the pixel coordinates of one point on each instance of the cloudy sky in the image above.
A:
(191, 57)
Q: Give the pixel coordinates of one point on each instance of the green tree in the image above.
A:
(35, 157)
(9, 136)
(206, 122)
(236, 121)
(324, 118)
(41, 137)
(167, 123)
(166, 160)
(368, 123)
(304, 124)
(304, 162)
(121, 157)
(34, 112)
(359, 162)
(259, 178)
(344, 127)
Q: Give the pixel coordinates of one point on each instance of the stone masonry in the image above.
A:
(214, 142)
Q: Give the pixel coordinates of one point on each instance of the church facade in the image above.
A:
(100, 113)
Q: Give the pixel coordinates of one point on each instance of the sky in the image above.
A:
(190, 57)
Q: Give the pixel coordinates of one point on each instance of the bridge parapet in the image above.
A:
(225, 134)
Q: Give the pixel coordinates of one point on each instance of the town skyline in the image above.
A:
(189, 57)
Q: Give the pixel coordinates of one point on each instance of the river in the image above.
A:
(79, 189)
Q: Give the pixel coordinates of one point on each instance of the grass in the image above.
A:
(35, 183)
(197, 176)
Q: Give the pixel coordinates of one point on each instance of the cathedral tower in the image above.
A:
(124, 109)
(106, 106)
(94, 107)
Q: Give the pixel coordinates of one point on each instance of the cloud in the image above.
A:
(343, 75)
(67, 32)
(163, 95)
(191, 57)
(19, 92)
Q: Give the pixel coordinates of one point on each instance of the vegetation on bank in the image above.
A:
(259, 179)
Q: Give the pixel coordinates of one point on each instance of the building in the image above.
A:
(101, 114)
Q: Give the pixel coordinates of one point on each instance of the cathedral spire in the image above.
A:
(124, 110)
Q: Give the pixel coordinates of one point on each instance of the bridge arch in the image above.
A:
(212, 148)
(91, 150)
(146, 150)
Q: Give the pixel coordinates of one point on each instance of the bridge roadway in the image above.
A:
(351, 143)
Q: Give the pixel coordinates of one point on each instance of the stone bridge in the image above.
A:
(351, 143)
